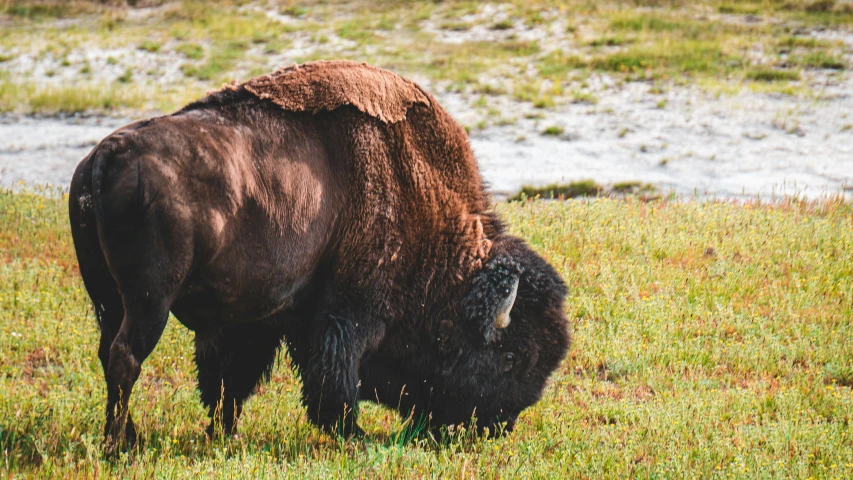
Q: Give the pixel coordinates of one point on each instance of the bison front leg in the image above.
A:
(330, 377)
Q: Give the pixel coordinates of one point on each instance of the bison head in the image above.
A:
(509, 336)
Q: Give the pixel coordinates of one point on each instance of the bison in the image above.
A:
(336, 208)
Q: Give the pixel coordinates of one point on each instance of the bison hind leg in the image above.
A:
(140, 330)
(100, 285)
(231, 363)
(110, 315)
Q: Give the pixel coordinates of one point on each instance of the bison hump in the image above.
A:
(327, 85)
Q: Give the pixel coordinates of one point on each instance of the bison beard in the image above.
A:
(334, 207)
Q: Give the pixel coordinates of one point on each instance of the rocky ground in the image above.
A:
(683, 137)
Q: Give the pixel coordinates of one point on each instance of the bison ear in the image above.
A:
(493, 290)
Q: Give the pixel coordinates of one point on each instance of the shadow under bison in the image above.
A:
(334, 207)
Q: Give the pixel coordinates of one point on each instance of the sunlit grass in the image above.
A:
(90, 96)
(710, 340)
(67, 99)
(684, 42)
(773, 75)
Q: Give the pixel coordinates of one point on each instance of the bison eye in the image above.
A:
(508, 358)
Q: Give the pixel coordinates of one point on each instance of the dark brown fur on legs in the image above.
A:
(334, 207)
(231, 363)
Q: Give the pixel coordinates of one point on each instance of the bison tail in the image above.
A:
(118, 189)
(99, 165)
(83, 218)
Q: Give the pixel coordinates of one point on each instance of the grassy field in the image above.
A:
(98, 56)
(712, 340)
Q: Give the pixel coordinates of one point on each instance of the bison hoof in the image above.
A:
(215, 429)
(347, 431)
(356, 432)
(114, 444)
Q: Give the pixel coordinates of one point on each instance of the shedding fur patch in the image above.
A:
(327, 85)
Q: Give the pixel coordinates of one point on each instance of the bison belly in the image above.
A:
(250, 280)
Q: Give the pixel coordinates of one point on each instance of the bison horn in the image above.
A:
(502, 318)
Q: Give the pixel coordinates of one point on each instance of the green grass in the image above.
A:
(793, 41)
(684, 42)
(47, 9)
(502, 25)
(218, 65)
(737, 8)
(455, 26)
(66, 99)
(150, 46)
(579, 96)
(640, 22)
(585, 188)
(820, 60)
(192, 51)
(553, 131)
(773, 75)
(711, 340)
(537, 94)
(89, 96)
(633, 186)
(608, 42)
(356, 32)
(580, 188)
(126, 77)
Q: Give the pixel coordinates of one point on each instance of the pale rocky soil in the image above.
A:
(684, 140)
(747, 144)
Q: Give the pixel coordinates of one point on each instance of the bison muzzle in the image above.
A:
(333, 207)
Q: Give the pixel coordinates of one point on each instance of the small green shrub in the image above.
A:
(819, 60)
(773, 75)
(580, 188)
(820, 6)
(455, 26)
(553, 131)
(502, 25)
(608, 42)
(126, 77)
(150, 46)
(193, 51)
(739, 8)
(356, 32)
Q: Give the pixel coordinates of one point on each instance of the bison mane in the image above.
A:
(327, 85)
(398, 129)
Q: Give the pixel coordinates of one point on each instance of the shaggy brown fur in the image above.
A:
(326, 86)
(430, 151)
(337, 208)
